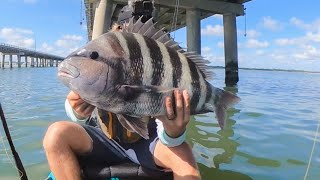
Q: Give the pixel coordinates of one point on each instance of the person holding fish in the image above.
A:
(136, 89)
(69, 145)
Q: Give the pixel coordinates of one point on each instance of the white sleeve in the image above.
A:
(167, 140)
(71, 114)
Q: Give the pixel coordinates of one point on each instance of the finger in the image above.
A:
(87, 112)
(169, 108)
(83, 106)
(84, 110)
(179, 104)
(73, 96)
(186, 101)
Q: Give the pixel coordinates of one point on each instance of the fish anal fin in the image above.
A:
(135, 124)
(221, 115)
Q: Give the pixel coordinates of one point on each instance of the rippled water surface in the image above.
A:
(269, 134)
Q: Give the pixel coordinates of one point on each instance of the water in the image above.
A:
(269, 134)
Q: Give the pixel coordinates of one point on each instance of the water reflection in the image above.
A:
(212, 146)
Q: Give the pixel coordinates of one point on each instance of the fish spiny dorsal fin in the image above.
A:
(158, 34)
(148, 29)
(202, 64)
(137, 26)
(145, 26)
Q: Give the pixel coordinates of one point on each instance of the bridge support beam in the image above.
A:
(32, 62)
(193, 30)
(26, 60)
(230, 49)
(57, 63)
(10, 60)
(19, 60)
(37, 62)
(102, 18)
(3, 59)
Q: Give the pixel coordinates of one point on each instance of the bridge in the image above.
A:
(31, 57)
(175, 14)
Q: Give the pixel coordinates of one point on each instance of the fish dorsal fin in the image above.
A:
(148, 29)
(201, 63)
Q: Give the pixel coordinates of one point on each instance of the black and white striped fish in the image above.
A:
(129, 73)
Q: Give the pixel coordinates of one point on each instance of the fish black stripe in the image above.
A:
(176, 67)
(208, 97)
(115, 44)
(157, 61)
(196, 86)
(209, 92)
(136, 59)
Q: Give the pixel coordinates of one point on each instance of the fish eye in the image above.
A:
(94, 55)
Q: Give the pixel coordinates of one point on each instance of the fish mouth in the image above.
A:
(67, 70)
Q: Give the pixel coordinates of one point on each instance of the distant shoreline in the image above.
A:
(15, 65)
(261, 69)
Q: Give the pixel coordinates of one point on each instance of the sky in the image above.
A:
(279, 34)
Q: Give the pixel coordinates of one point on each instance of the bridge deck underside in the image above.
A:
(167, 9)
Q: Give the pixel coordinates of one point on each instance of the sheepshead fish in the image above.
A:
(130, 72)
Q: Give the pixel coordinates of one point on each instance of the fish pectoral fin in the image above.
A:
(129, 92)
(135, 124)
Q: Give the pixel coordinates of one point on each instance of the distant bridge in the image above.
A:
(31, 57)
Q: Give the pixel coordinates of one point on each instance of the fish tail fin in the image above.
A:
(222, 100)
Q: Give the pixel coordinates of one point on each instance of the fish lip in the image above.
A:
(68, 70)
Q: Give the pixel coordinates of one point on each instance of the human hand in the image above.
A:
(175, 124)
(81, 108)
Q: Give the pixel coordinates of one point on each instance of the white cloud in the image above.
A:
(253, 43)
(313, 26)
(313, 37)
(210, 30)
(18, 37)
(271, 24)
(214, 59)
(308, 38)
(68, 44)
(260, 52)
(68, 41)
(285, 41)
(45, 47)
(220, 44)
(308, 52)
(25, 38)
(206, 50)
(252, 33)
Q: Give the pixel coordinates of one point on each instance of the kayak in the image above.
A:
(124, 171)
